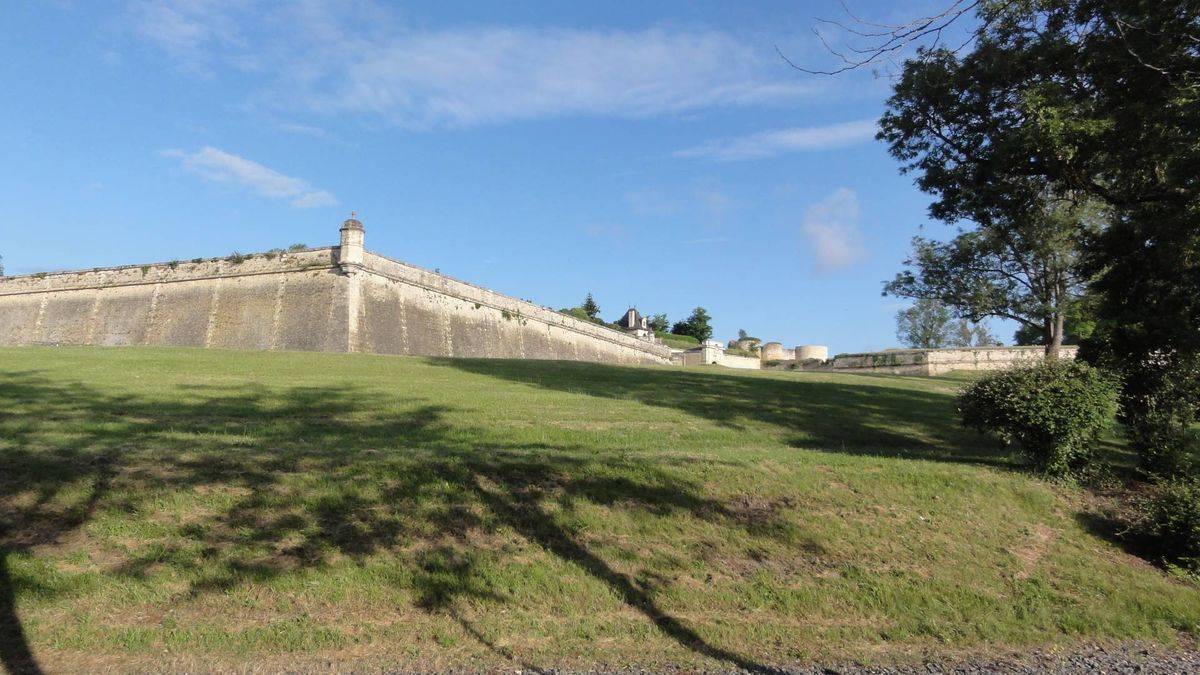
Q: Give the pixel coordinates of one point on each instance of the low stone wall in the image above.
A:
(713, 356)
(939, 361)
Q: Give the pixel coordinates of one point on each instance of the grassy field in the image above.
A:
(199, 508)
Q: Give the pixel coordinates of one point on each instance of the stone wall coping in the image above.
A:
(152, 265)
(254, 264)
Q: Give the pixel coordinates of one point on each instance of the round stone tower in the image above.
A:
(350, 251)
(773, 351)
(806, 352)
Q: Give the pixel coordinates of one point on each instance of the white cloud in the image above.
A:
(303, 130)
(338, 62)
(188, 30)
(830, 229)
(224, 167)
(780, 141)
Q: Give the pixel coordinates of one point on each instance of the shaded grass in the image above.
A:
(484, 513)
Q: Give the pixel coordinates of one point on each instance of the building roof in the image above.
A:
(637, 319)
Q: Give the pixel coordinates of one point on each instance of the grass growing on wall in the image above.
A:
(210, 507)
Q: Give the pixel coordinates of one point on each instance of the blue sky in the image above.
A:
(662, 156)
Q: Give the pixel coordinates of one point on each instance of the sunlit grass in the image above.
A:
(428, 513)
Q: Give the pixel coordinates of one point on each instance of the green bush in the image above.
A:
(1053, 411)
(1170, 523)
(741, 352)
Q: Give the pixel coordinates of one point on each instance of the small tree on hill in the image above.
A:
(659, 324)
(696, 325)
(590, 307)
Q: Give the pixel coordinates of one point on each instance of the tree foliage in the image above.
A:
(925, 325)
(929, 324)
(1170, 522)
(696, 325)
(967, 334)
(1099, 98)
(590, 308)
(1014, 265)
(1053, 411)
(1078, 325)
(658, 323)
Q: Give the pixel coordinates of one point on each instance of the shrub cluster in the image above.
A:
(1159, 405)
(1170, 522)
(1053, 411)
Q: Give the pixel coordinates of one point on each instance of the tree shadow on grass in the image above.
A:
(854, 416)
(310, 476)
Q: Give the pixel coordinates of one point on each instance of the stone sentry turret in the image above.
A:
(350, 251)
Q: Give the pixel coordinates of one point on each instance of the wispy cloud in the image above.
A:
(303, 130)
(651, 202)
(218, 165)
(188, 30)
(336, 62)
(610, 231)
(780, 141)
(830, 230)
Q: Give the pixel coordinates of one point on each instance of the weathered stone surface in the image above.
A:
(938, 361)
(308, 300)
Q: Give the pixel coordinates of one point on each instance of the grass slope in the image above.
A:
(218, 506)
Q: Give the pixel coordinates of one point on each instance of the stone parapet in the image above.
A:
(939, 361)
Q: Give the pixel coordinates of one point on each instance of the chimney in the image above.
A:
(350, 252)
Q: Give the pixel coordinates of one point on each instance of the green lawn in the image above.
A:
(206, 507)
(678, 341)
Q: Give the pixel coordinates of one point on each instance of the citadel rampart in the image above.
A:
(335, 299)
(939, 361)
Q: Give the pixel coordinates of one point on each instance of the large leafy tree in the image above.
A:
(1079, 324)
(1091, 97)
(1022, 266)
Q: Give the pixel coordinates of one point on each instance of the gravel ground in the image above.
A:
(1128, 659)
(1134, 658)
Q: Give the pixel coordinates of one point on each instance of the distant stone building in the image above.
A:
(336, 299)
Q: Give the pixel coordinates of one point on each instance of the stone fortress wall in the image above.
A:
(335, 299)
(939, 361)
(409, 310)
(291, 301)
(346, 299)
(775, 356)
